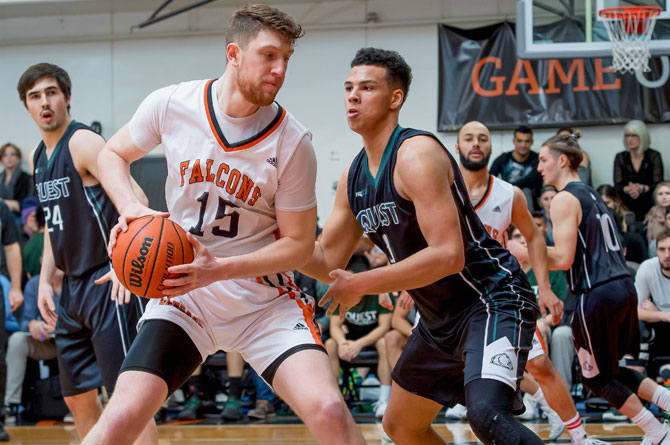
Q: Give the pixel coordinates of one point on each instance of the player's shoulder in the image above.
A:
(564, 199)
(189, 89)
(84, 137)
(420, 146)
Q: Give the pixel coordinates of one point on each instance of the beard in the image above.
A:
(253, 93)
(665, 267)
(474, 165)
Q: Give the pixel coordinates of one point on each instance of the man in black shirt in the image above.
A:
(519, 167)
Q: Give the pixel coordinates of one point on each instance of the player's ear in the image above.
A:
(397, 99)
(233, 53)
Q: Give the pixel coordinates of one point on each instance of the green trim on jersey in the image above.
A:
(387, 153)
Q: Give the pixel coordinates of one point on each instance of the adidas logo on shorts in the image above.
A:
(300, 327)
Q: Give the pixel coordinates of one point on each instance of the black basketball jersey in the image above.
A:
(390, 222)
(78, 218)
(599, 254)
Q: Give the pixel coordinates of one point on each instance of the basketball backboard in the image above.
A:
(583, 32)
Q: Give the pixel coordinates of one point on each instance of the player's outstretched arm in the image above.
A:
(566, 215)
(537, 252)
(423, 175)
(339, 238)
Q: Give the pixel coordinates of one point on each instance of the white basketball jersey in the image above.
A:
(495, 208)
(222, 192)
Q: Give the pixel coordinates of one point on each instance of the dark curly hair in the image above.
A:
(398, 72)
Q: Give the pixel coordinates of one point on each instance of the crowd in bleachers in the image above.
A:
(378, 327)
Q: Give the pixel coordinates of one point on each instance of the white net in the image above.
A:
(630, 29)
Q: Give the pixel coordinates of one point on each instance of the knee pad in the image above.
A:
(610, 389)
(630, 378)
(491, 425)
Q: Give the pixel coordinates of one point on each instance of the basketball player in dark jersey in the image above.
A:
(605, 324)
(93, 332)
(404, 190)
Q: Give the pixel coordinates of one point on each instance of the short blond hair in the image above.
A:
(640, 129)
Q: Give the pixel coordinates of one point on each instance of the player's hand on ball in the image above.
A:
(119, 293)
(341, 292)
(127, 217)
(204, 270)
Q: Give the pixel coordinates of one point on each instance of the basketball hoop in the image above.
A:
(629, 28)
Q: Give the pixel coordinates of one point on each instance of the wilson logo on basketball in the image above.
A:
(169, 262)
(137, 265)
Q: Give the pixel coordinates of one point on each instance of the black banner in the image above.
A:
(481, 78)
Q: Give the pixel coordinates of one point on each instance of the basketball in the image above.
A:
(145, 251)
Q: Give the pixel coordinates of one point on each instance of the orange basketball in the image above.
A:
(144, 252)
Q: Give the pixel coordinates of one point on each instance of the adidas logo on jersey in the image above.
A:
(497, 209)
(361, 193)
(300, 327)
(272, 162)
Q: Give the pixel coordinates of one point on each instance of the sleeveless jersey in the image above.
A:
(598, 255)
(78, 218)
(495, 208)
(223, 192)
(390, 222)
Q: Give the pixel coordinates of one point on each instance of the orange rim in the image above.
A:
(629, 12)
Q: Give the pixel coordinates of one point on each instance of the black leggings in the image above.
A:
(489, 404)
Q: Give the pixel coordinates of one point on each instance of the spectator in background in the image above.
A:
(34, 340)
(633, 241)
(584, 169)
(652, 245)
(652, 283)
(9, 233)
(654, 221)
(15, 184)
(364, 326)
(32, 249)
(637, 170)
(548, 193)
(519, 167)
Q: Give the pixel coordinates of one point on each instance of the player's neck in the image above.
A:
(567, 177)
(375, 141)
(230, 98)
(475, 179)
(52, 137)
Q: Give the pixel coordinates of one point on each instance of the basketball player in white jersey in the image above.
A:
(241, 175)
(499, 204)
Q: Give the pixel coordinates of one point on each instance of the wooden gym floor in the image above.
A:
(182, 433)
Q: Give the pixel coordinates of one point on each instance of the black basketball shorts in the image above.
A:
(492, 341)
(93, 333)
(605, 327)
